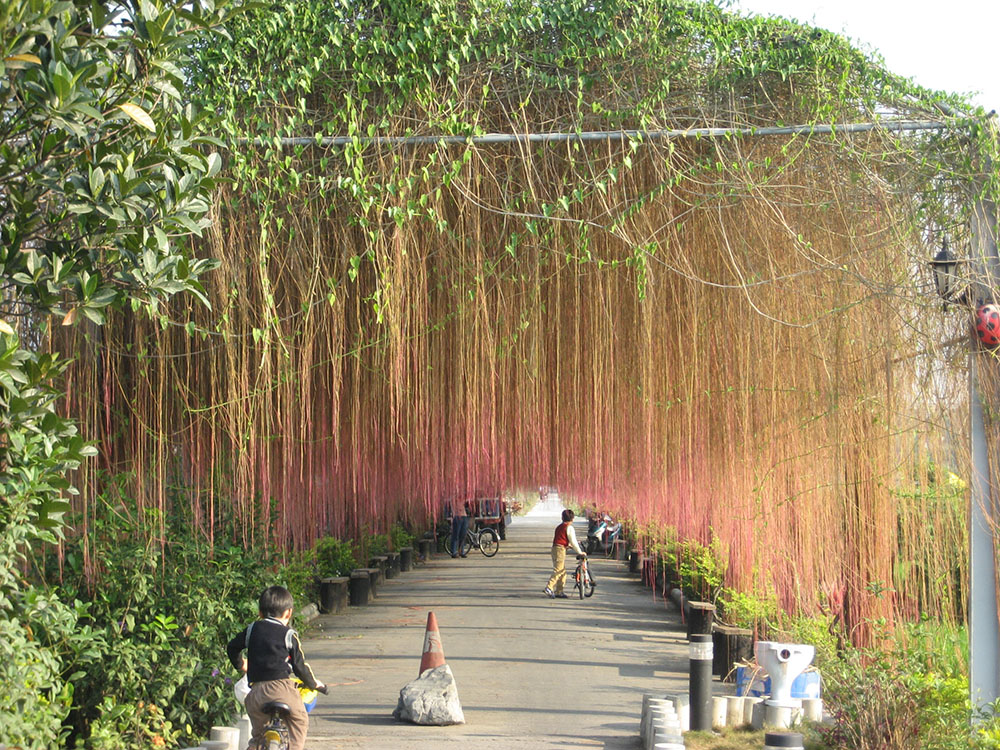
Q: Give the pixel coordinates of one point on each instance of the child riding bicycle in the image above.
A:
(274, 653)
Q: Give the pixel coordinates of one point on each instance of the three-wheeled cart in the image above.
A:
(491, 511)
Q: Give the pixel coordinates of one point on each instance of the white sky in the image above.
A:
(950, 45)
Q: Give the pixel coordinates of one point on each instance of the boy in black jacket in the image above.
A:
(273, 654)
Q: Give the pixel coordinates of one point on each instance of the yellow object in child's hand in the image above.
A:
(309, 695)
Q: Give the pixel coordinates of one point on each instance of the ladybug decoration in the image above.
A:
(988, 325)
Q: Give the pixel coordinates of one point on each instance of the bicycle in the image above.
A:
(276, 732)
(485, 540)
(583, 578)
(275, 735)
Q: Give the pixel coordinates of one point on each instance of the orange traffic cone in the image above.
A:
(433, 655)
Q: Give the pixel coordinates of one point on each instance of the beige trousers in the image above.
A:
(285, 692)
(558, 580)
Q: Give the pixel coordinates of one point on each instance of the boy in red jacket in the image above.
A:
(565, 536)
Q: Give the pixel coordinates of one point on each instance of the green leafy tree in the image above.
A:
(105, 173)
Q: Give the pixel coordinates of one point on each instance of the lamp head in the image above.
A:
(944, 265)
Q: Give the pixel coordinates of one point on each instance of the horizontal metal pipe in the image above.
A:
(607, 135)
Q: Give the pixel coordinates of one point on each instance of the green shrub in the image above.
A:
(816, 631)
(702, 570)
(400, 537)
(299, 576)
(160, 620)
(37, 698)
(871, 705)
(747, 610)
(129, 726)
(378, 544)
(888, 701)
(334, 557)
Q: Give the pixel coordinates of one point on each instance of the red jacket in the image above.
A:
(561, 538)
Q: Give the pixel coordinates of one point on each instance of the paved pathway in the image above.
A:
(532, 672)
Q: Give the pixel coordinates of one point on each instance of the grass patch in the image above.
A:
(740, 739)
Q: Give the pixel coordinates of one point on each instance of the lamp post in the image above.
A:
(984, 627)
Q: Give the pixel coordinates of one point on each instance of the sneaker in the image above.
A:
(561, 595)
(549, 593)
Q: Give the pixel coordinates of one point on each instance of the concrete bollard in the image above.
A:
(672, 739)
(783, 741)
(228, 735)
(215, 745)
(244, 726)
(663, 730)
(656, 721)
(360, 587)
(720, 709)
(812, 709)
(682, 704)
(700, 616)
(405, 559)
(749, 702)
(646, 698)
(634, 562)
(734, 711)
(649, 703)
(666, 723)
(781, 717)
(376, 578)
(425, 549)
(333, 594)
(391, 569)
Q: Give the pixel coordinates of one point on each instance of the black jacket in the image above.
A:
(273, 653)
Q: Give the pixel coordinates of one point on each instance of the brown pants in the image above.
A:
(558, 580)
(285, 692)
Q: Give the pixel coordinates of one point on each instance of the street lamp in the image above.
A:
(984, 627)
(945, 267)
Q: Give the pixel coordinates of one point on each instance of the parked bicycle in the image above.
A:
(485, 540)
(583, 580)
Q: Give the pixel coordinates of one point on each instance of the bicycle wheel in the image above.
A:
(588, 584)
(489, 542)
(466, 545)
(578, 580)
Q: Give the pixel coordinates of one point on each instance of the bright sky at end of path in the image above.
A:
(942, 46)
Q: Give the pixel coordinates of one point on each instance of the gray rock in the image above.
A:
(309, 612)
(431, 699)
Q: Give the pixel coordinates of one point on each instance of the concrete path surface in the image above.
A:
(532, 672)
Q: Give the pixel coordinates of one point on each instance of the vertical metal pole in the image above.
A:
(700, 681)
(984, 631)
(984, 628)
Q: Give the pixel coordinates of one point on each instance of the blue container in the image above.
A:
(806, 685)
